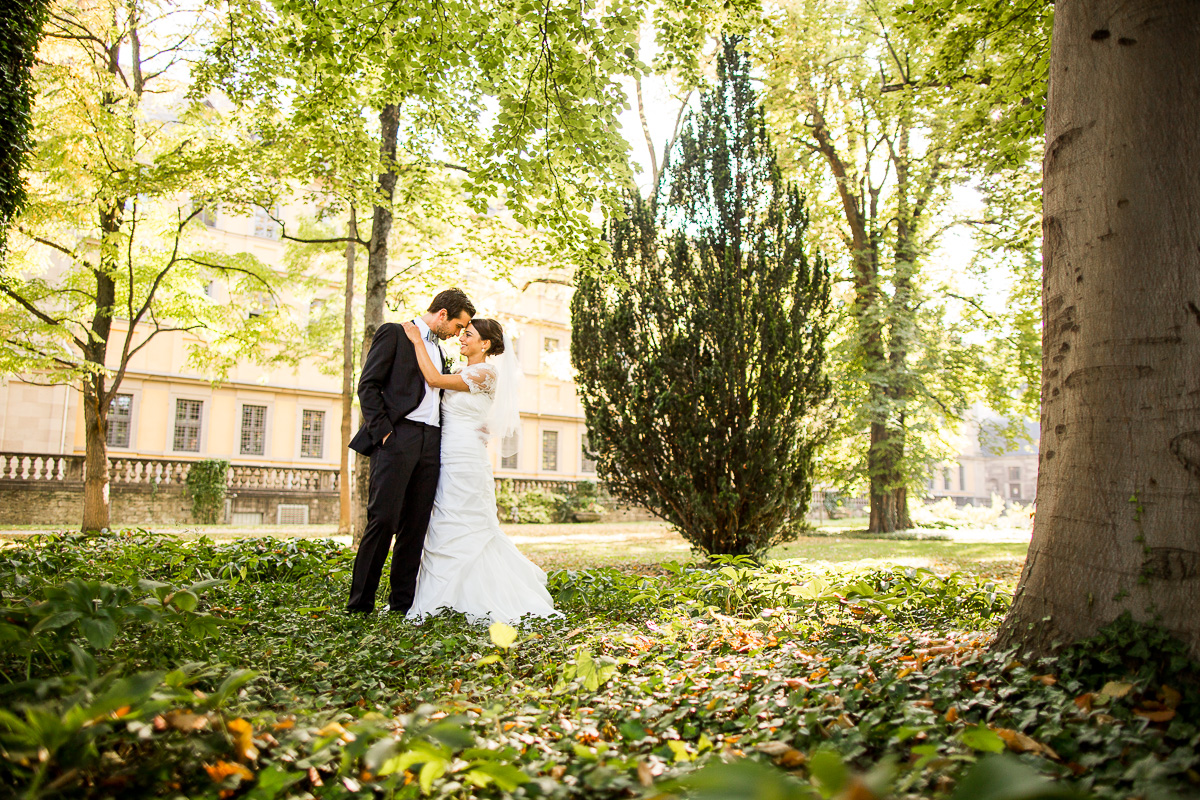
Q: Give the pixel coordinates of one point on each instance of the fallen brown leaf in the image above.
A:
(242, 733)
(1165, 715)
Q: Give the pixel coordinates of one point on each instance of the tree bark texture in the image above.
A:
(344, 482)
(95, 460)
(889, 492)
(95, 397)
(377, 256)
(1118, 515)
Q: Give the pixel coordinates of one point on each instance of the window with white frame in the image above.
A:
(946, 478)
(1014, 473)
(550, 344)
(312, 434)
(120, 414)
(962, 477)
(264, 226)
(550, 451)
(254, 430)
(509, 445)
(587, 462)
(187, 425)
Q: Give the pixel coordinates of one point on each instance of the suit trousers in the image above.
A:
(404, 477)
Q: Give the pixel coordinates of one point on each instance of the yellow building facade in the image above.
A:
(290, 418)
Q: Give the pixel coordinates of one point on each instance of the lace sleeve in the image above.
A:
(480, 378)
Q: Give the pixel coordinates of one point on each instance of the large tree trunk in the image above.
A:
(377, 256)
(1118, 518)
(344, 505)
(888, 493)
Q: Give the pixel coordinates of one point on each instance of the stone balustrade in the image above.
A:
(39, 468)
(161, 472)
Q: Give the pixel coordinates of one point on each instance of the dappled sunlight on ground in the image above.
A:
(643, 546)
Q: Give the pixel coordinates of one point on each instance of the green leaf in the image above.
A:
(430, 772)
(185, 601)
(505, 776)
(981, 737)
(1006, 778)
(82, 661)
(592, 673)
(741, 780)
(271, 781)
(100, 631)
(56, 620)
(229, 687)
(829, 772)
(451, 734)
(679, 750)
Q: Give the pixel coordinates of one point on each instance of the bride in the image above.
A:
(469, 565)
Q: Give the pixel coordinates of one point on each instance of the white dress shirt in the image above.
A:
(429, 410)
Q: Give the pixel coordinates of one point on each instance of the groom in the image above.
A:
(401, 433)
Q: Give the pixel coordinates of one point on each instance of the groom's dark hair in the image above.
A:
(455, 302)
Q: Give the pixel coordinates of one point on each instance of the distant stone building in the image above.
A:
(987, 465)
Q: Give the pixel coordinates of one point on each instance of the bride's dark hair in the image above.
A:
(490, 331)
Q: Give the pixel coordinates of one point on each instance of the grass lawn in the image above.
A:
(643, 546)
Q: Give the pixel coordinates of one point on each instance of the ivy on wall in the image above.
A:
(20, 31)
(206, 483)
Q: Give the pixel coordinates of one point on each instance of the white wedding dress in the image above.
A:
(469, 565)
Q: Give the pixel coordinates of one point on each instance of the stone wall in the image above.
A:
(47, 490)
(27, 503)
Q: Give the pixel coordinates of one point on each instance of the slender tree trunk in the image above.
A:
(377, 255)
(344, 508)
(1118, 517)
(95, 460)
(95, 397)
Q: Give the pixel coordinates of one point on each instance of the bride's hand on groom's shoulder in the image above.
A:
(412, 332)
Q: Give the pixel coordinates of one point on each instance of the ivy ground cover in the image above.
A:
(136, 665)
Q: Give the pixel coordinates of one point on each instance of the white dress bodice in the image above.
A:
(466, 413)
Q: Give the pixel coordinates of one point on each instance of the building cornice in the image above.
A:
(192, 380)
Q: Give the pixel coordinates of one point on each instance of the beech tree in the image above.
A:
(845, 106)
(1118, 509)
(700, 361)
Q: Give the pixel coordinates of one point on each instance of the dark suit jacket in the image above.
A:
(390, 386)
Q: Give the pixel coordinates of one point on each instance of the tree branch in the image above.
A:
(37, 312)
